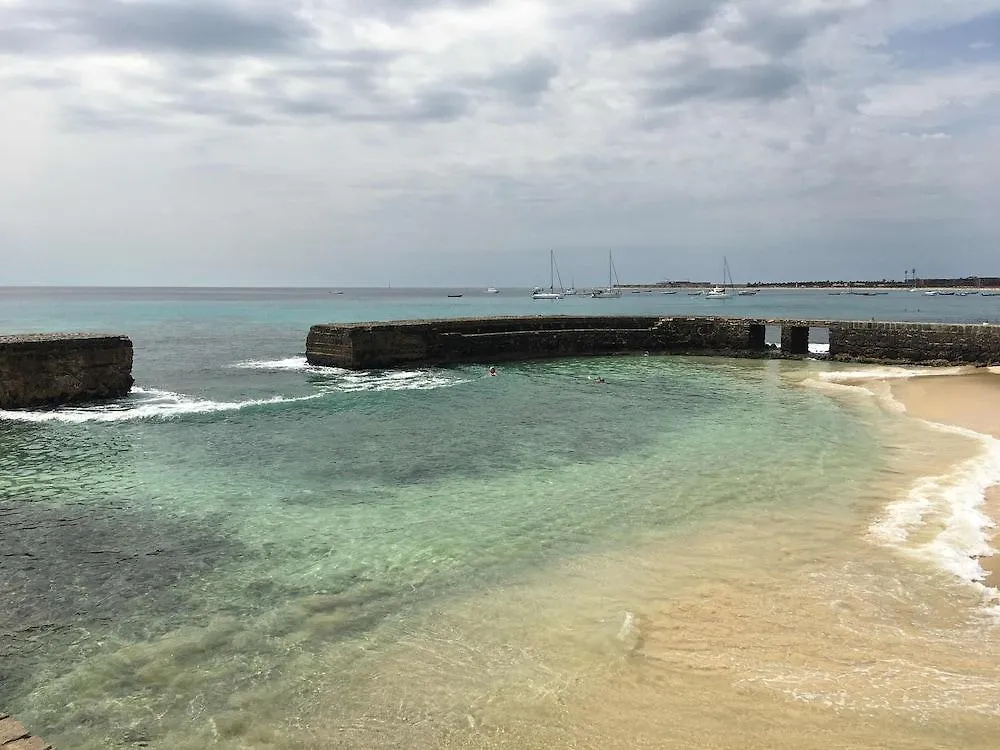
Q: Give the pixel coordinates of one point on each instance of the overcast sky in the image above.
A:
(443, 142)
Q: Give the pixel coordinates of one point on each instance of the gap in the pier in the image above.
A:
(820, 336)
(772, 335)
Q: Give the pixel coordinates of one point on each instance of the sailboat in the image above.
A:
(612, 290)
(719, 292)
(552, 293)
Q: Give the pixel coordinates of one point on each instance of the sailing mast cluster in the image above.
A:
(613, 289)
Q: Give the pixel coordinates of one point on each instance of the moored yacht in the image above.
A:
(538, 293)
(612, 291)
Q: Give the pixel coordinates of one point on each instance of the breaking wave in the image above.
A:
(951, 503)
(152, 403)
(940, 519)
(338, 379)
(143, 403)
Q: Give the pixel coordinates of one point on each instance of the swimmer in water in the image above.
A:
(493, 371)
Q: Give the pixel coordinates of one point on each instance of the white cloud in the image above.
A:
(238, 140)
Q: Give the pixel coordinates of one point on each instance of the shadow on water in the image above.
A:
(68, 571)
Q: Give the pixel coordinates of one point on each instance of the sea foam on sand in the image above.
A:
(943, 518)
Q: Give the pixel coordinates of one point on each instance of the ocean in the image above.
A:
(250, 552)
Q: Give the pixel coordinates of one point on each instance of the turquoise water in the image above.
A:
(248, 532)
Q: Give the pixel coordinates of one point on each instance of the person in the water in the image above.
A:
(493, 371)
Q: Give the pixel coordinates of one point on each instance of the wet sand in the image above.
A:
(971, 401)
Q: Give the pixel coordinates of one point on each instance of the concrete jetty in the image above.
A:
(470, 340)
(49, 369)
(13, 736)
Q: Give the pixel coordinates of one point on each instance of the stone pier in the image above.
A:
(395, 344)
(482, 340)
(13, 736)
(53, 369)
(916, 343)
(795, 339)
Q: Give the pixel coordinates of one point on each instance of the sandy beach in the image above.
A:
(971, 401)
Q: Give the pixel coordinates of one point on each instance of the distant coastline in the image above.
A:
(967, 282)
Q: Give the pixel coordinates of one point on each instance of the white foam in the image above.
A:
(352, 381)
(289, 364)
(151, 403)
(406, 380)
(888, 373)
(144, 403)
(951, 502)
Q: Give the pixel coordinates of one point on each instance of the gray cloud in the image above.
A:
(429, 106)
(205, 27)
(779, 34)
(345, 87)
(763, 82)
(405, 8)
(524, 82)
(653, 20)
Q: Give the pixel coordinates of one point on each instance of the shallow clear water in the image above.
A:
(252, 552)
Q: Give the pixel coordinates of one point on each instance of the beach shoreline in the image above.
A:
(966, 401)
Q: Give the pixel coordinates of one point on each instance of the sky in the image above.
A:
(447, 142)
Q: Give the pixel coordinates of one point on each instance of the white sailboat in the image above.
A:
(612, 291)
(552, 293)
(721, 292)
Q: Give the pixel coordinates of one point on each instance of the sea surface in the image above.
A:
(250, 552)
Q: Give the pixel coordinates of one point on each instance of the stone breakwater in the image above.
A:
(53, 369)
(13, 736)
(469, 340)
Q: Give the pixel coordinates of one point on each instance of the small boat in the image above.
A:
(991, 294)
(746, 292)
(613, 291)
(454, 295)
(720, 292)
(552, 293)
(672, 291)
(695, 294)
(492, 290)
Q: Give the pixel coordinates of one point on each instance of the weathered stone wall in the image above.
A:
(13, 736)
(52, 369)
(915, 343)
(795, 339)
(372, 345)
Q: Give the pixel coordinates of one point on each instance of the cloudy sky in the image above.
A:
(441, 142)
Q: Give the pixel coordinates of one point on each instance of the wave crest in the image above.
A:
(143, 403)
